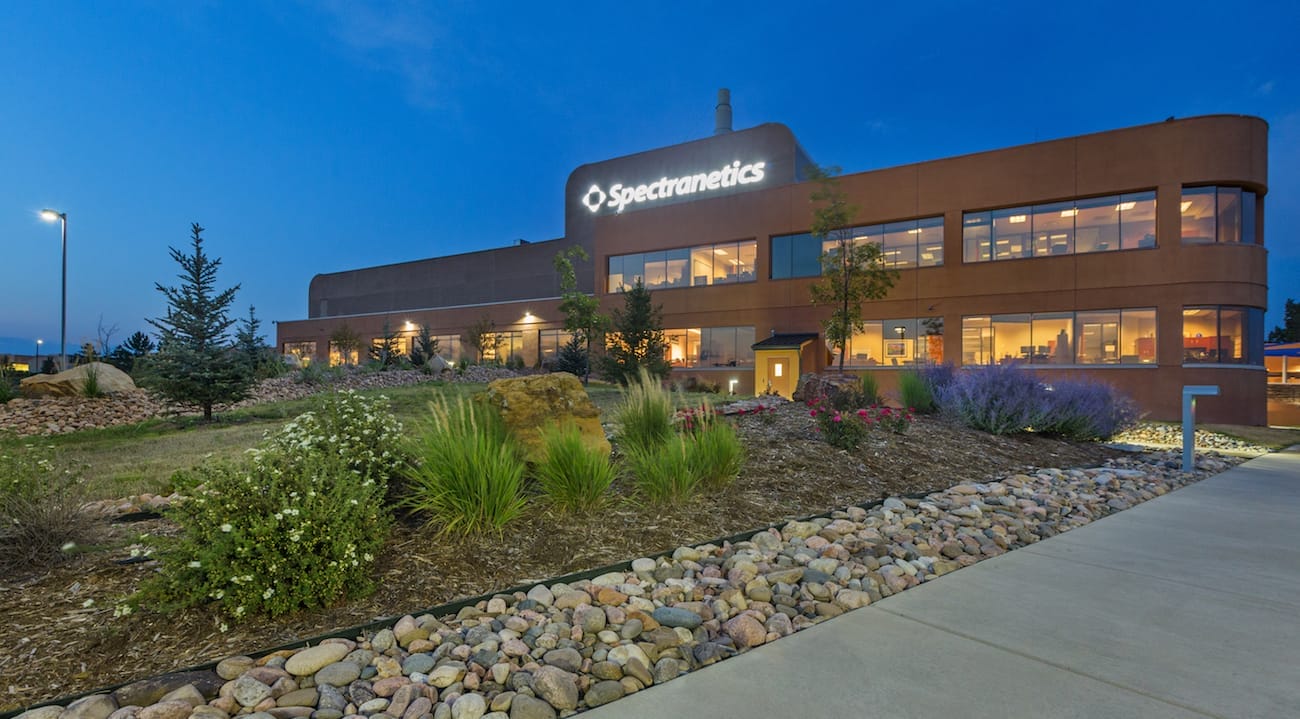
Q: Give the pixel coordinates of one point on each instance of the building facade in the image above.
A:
(1133, 256)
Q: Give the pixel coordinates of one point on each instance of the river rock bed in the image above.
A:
(560, 648)
(1169, 435)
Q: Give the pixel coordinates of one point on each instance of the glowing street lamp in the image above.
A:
(50, 216)
(39, 342)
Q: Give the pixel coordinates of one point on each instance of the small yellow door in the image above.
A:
(778, 373)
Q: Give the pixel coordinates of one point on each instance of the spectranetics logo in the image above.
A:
(594, 198)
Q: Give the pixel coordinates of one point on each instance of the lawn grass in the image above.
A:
(138, 458)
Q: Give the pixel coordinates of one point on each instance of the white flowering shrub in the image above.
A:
(348, 426)
(298, 525)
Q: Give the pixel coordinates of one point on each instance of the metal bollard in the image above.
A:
(1190, 393)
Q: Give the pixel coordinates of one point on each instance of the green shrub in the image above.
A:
(8, 383)
(318, 373)
(39, 509)
(841, 429)
(644, 415)
(915, 393)
(573, 475)
(282, 531)
(715, 454)
(663, 471)
(869, 390)
(91, 388)
(466, 473)
(347, 425)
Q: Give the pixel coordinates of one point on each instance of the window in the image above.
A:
(1126, 336)
(503, 346)
(910, 243)
(451, 347)
(891, 343)
(304, 351)
(1094, 224)
(710, 347)
(339, 357)
(722, 263)
(549, 343)
(1218, 214)
(1223, 335)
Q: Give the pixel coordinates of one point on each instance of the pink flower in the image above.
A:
(862, 413)
(812, 413)
(836, 418)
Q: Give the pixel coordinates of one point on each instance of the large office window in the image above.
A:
(304, 351)
(549, 343)
(704, 347)
(910, 243)
(1223, 335)
(1094, 224)
(1126, 336)
(1218, 214)
(717, 264)
(341, 356)
(503, 346)
(451, 347)
(891, 343)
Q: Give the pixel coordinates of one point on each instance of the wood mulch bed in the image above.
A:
(59, 636)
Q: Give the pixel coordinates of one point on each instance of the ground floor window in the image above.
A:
(304, 351)
(549, 343)
(710, 346)
(344, 355)
(503, 346)
(1223, 335)
(1125, 336)
(892, 343)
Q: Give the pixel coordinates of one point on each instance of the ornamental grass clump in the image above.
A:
(663, 472)
(998, 399)
(573, 475)
(714, 454)
(644, 415)
(915, 392)
(280, 532)
(40, 515)
(466, 473)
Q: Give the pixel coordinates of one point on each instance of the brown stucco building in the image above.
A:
(1133, 256)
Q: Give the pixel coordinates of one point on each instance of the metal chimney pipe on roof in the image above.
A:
(722, 113)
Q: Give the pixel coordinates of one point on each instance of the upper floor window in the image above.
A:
(717, 264)
(910, 243)
(1218, 214)
(1094, 224)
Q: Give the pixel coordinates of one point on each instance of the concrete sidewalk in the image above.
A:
(1184, 606)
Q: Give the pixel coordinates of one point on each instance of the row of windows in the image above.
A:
(710, 346)
(1126, 336)
(892, 343)
(1097, 224)
(1218, 214)
(912, 243)
(717, 264)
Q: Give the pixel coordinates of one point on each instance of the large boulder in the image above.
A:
(531, 404)
(830, 387)
(72, 383)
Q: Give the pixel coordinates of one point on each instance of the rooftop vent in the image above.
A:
(722, 113)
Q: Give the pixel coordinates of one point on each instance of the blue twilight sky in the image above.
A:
(311, 137)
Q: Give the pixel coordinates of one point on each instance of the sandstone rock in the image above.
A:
(528, 404)
(313, 659)
(72, 382)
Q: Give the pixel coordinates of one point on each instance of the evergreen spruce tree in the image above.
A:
(423, 348)
(1289, 330)
(637, 340)
(196, 363)
(386, 350)
(574, 358)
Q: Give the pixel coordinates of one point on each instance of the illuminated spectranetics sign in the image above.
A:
(621, 195)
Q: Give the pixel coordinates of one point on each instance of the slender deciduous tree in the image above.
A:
(582, 315)
(853, 272)
(196, 363)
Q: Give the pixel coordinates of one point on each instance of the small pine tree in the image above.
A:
(637, 340)
(573, 358)
(424, 348)
(196, 363)
(386, 352)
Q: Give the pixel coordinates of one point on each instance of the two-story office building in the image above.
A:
(1133, 256)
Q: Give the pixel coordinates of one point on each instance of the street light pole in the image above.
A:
(51, 216)
(39, 342)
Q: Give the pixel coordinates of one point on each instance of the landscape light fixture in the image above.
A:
(50, 216)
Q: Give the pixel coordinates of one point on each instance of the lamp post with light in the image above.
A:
(39, 342)
(50, 216)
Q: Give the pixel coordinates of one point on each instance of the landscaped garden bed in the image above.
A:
(66, 633)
